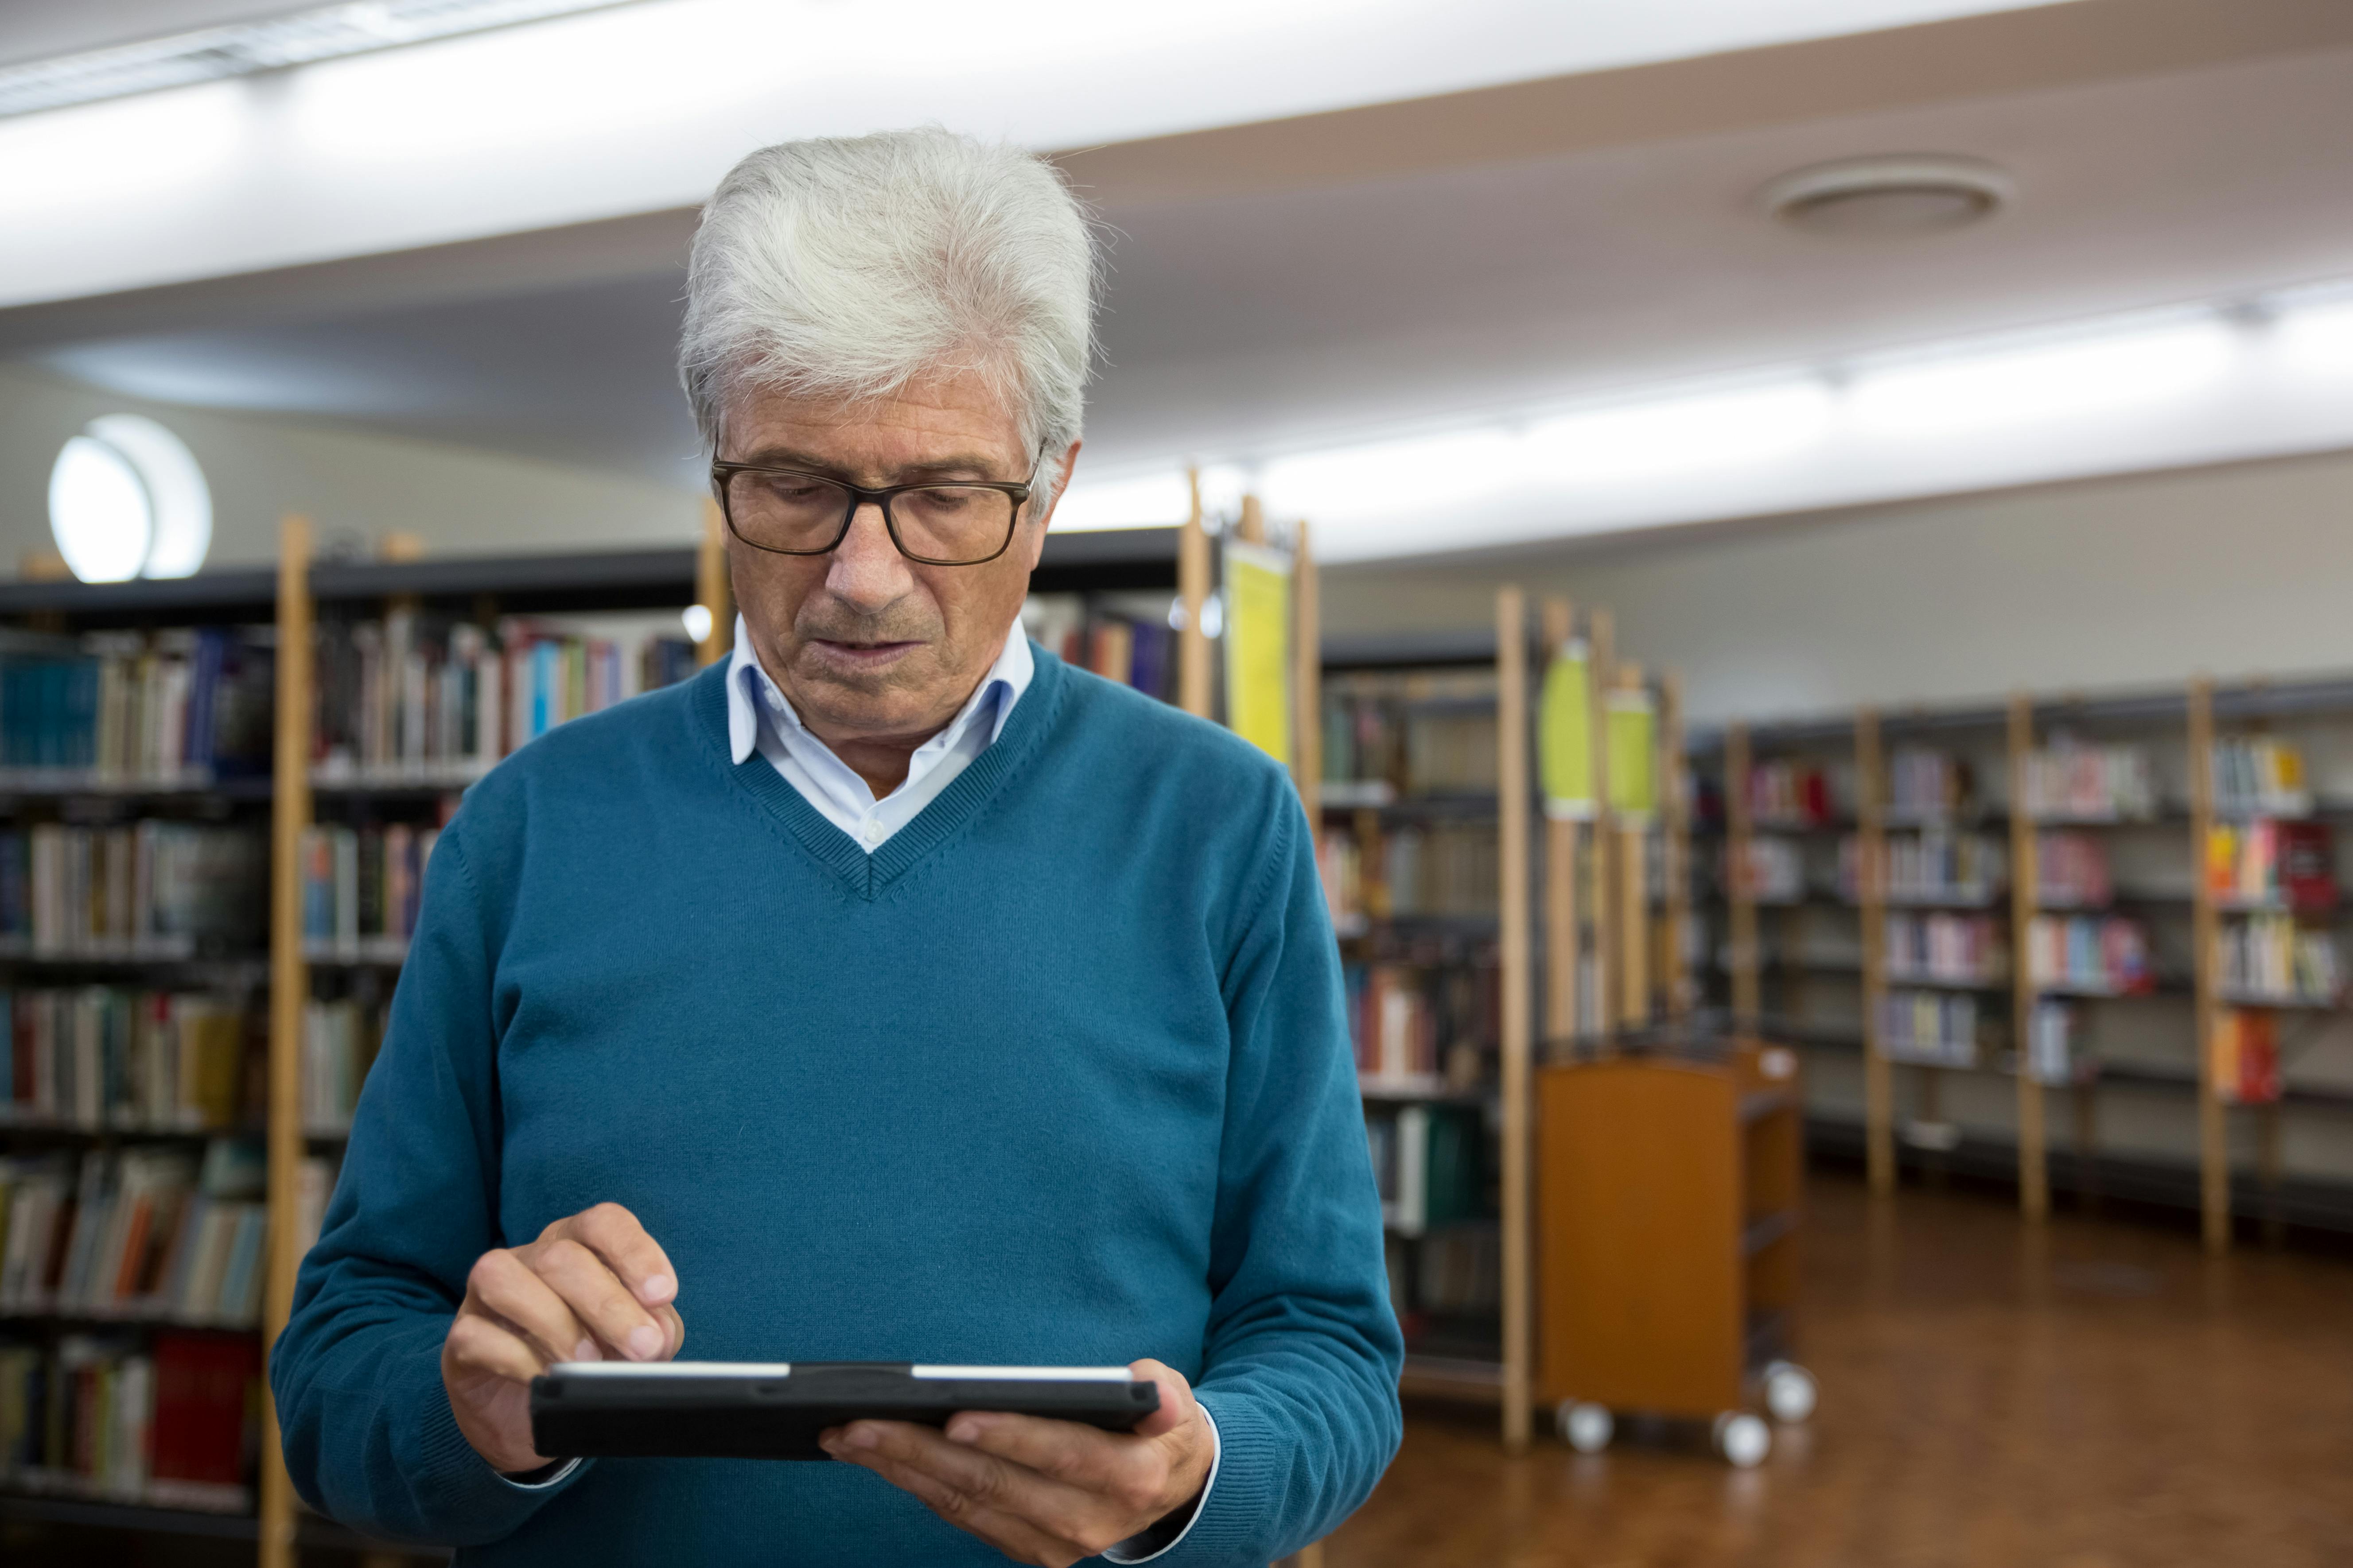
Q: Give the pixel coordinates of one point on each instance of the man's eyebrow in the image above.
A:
(962, 465)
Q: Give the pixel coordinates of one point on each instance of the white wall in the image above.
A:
(2114, 583)
(354, 485)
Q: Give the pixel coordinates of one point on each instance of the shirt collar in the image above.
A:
(999, 690)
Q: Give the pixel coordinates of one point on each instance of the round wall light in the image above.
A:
(127, 499)
(1865, 198)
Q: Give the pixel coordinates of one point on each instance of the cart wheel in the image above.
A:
(1587, 1428)
(1789, 1391)
(1742, 1440)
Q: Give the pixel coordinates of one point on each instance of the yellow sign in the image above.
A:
(1258, 648)
(1633, 748)
(1565, 734)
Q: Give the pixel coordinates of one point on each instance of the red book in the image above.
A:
(2308, 865)
(202, 1381)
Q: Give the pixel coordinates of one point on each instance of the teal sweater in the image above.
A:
(1059, 1074)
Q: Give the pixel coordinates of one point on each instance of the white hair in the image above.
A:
(848, 267)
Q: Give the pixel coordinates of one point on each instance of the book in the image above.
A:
(2243, 1062)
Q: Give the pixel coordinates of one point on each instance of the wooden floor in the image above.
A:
(2107, 1397)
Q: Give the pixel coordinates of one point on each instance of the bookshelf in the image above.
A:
(1417, 837)
(1430, 762)
(289, 785)
(2164, 923)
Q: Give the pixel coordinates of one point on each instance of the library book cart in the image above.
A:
(2130, 901)
(1669, 1155)
(219, 794)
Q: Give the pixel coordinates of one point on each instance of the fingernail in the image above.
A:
(861, 1438)
(645, 1342)
(586, 1350)
(658, 1289)
(964, 1431)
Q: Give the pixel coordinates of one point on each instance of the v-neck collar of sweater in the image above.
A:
(870, 875)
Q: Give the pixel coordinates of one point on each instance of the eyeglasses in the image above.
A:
(789, 513)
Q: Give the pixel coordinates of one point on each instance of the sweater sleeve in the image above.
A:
(368, 1434)
(1300, 1370)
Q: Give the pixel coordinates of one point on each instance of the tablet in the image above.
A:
(757, 1410)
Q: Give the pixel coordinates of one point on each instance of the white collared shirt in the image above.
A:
(759, 719)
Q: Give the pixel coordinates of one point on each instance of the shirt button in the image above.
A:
(873, 832)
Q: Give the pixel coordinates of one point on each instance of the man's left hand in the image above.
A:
(1043, 1491)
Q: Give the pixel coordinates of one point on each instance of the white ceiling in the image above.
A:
(1262, 298)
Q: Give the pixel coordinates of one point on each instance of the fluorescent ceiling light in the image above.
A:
(2317, 337)
(1976, 389)
(1437, 473)
(320, 33)
(1638, 440)
(1153, 500)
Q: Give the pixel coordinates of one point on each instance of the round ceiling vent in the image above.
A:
(1870, 198)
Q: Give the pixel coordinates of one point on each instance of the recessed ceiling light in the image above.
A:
(1871, 197)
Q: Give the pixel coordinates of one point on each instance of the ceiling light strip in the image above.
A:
(320, 33)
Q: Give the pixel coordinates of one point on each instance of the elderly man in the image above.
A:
(892, 991)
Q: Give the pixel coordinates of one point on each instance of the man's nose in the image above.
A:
(867, 570)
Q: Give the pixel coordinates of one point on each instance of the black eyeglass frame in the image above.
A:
(859, 496)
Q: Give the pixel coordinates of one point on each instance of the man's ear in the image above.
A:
(1062, 469)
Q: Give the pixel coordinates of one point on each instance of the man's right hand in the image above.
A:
(592, 1287)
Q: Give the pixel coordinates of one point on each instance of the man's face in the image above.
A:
(866, 644)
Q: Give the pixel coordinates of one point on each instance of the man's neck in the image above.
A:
(880, 760)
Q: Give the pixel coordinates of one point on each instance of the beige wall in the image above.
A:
(357, 486)
(2115, 584)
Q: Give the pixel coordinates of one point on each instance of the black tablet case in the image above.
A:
(735, 1414)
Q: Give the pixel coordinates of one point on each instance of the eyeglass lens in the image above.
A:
(803, 512)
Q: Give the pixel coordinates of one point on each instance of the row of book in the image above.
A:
(1953, 948)
(155, 888)
(2269, 863)
(1930, 1028)
(362, 888)
(173, 1424)
(1444, 869)
(2259, 775)
(1426, 733)
(1927, 787)
(1785, 792)
(2244, 1056)
(2075, 781)
(104, 1056)
(1775, 871)
(1134, 650)
(416, 697)
(1441, 868)
(1408, 1020)
(175, 709)
(1339, 865)
(340, 1039)
(2071, 870)
(2051, 1055)
(1935, 867)
(1430, 1163)
(2270, 957)
(2102, 954)
(149, 1233)
(1456, 1272)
